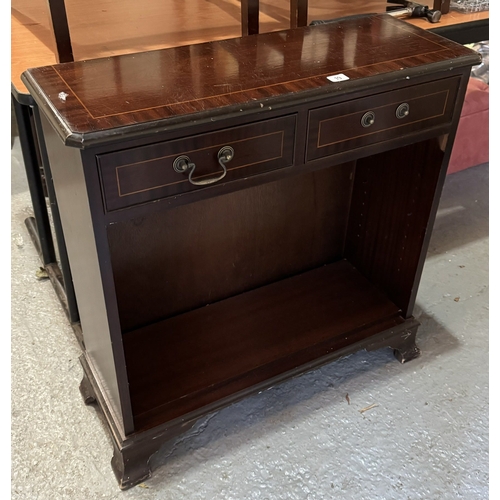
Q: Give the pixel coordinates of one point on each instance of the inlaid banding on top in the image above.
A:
(248, 74)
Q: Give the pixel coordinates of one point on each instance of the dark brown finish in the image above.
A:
(249, 17)
(393, 191)
(130, 99)
(229, 346)
(245, 238)
(442, 5)
(407, 349)
(36, 185)
(146, 173)
(60, 31)
(465, 32)
(88, 257)
(340, 127)
(192, 297)
(131, 457)
(163, 24)
(298, 13)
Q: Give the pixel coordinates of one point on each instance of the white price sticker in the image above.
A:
(338, 78)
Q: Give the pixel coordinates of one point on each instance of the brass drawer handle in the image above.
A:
(368, 119)
(183, 163)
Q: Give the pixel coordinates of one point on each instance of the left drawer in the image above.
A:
(147, 173)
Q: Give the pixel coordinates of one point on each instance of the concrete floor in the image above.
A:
(426, 436)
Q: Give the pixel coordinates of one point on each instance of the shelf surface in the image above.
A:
(185, 362)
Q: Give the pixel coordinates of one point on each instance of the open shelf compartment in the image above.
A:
(247, 288)
(199, 357)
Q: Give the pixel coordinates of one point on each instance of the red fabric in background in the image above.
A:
(471, 145)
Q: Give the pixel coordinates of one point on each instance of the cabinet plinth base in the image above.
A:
(404, 356)
(408, 349)
(131, 454)
(131, 461)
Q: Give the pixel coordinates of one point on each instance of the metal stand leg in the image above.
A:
(39, 227)
(44, 243)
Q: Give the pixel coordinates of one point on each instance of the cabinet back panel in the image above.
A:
(187, 257)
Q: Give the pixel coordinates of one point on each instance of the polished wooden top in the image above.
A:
(102, 28)
(170, 86)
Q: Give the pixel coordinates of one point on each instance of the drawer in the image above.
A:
(380, 117)
(169, 168)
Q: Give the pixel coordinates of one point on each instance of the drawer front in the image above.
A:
(147, 173)
(381, 117)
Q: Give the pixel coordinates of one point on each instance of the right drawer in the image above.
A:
(380, 117)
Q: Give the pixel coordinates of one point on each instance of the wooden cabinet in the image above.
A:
(233, 217)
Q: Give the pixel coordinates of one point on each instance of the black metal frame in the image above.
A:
(38, 175)
(25, 125)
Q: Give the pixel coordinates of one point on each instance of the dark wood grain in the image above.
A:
(298, 13)
(146, 173)
(391, 204)
(191, 298)
(442, 5)
(60, 31)
(249, 17)
(338, 128)
(198, 254)
(121, 28)
(84, 236)
(203, 350)
(139, 91)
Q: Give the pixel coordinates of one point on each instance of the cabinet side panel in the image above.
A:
(392, 199)
(73, 202)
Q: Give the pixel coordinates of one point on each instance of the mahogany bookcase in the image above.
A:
(239, 212)
(32, 47)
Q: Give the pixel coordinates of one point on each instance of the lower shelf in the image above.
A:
(192, 360)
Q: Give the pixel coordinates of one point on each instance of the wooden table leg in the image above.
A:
(249, 17)
(298, 13)
(442, 5)
(60, 31)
